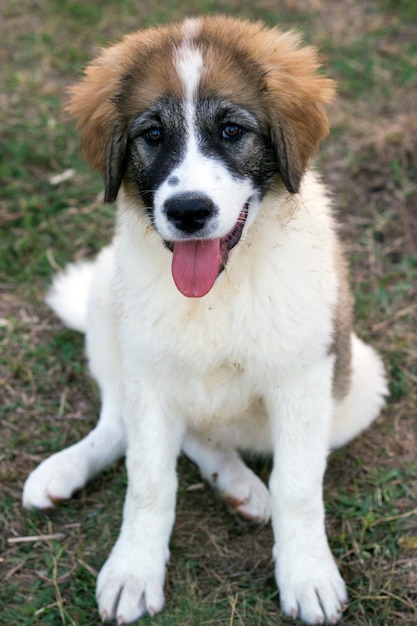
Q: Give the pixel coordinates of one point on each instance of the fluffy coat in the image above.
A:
(265, 360)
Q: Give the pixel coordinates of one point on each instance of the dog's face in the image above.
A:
(201, 165)
(196, 120)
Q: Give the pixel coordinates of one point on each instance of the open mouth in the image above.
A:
(196, 263)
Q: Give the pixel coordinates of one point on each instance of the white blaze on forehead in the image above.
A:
(190, 28)
(189, 64)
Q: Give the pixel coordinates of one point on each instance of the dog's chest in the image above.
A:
(207, 392)
(205, 365)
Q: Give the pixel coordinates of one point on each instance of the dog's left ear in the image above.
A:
(295, 94)
(94, 104)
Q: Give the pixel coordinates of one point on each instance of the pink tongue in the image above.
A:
(195, 266)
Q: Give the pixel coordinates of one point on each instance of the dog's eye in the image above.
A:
(231, 132)
(153, 136)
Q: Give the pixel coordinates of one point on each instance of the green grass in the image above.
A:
(220, 570)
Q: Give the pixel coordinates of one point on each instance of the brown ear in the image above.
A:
(296, 94)
(94, 104)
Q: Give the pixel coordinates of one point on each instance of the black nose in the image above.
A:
(189, 213)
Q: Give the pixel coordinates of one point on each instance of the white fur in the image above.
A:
(196, 173)
(189, 64)
(68, 295)
(262, 381)
(246, 367)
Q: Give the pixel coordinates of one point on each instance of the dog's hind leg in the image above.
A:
(59, 476)
(243, 492)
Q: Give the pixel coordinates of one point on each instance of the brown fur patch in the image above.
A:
(342, 344)
(263, 69)
(123, 81)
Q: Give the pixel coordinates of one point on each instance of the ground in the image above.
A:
(220, 570)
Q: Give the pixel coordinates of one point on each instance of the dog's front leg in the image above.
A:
(308, 579)
(132, 580)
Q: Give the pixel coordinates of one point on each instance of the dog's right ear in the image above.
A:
(116, 163)
(94, 104)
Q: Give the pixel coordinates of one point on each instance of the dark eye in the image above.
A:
(231, 132)
(153, 136)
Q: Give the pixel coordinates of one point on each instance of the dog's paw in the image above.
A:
(314, 592)
(129, 587)
(244, 493)
(55, 479)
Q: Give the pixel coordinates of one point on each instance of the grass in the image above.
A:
(220, 570)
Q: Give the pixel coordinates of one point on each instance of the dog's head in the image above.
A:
(196, 120)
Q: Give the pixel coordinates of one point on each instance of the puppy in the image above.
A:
(219, 320)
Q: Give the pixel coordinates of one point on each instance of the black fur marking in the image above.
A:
(116, 164)
(250, 155)
(291, 179)
(150, 164)
(152, 156)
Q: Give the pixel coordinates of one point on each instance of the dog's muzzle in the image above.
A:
(197, 261)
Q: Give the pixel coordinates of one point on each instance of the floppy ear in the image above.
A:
(296, 94)
(116, 163)
(94, 104)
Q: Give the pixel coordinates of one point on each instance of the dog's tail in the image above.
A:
(68, 295)
(366, 396)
